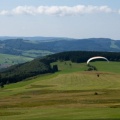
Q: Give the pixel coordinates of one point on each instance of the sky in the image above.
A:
(60, 18)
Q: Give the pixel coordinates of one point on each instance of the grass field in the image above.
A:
(70, 94)
(8, 60)
(36, 53)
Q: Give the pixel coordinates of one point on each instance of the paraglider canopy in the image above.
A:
(97, 57)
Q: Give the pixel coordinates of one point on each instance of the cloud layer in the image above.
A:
(58, 10)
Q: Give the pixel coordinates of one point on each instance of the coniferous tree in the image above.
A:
(55, 68)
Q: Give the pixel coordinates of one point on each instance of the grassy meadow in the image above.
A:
(70, 94)
(8, 60)
(36, 53)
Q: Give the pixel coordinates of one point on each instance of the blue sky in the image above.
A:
(60, 18)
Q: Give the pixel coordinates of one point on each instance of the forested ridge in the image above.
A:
(42, 65)
(83, 56)
(56, 45)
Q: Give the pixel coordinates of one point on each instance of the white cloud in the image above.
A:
(4, 12)
(57, 10)
(24, 10)
(119, 11)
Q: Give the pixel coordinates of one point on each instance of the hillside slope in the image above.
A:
(43, 65)
(79, 95)
(7, 60)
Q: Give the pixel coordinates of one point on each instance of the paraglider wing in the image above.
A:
(97, 57)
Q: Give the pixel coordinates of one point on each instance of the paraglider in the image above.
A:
(97, 57)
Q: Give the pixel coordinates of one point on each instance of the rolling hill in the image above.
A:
(72, 92)
(34, 47)
(43, 65)
(41, 46)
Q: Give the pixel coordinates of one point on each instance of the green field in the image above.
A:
(36, 53)
(70, 94)
(8, 60)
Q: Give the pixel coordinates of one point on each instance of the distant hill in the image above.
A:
(41, 46)
(36, 38)
(34, 47)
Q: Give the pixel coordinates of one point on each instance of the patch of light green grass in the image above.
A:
(19, 87)
(83, 81)
(13, 59)
(68, 66)
(36, 53)
(62, 114)
(107, 67)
